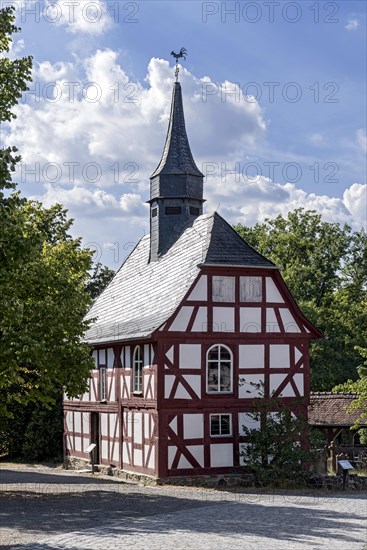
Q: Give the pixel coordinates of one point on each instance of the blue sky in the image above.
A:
(274, 95)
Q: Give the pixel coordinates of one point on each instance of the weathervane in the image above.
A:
(182, 53)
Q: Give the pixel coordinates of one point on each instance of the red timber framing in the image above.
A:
(164, 430)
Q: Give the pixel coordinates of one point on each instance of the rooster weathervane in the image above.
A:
(182, 53)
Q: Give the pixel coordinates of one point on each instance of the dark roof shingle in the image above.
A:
(143, 295)
(331, 409)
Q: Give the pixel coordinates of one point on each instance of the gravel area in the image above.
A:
(44, 508)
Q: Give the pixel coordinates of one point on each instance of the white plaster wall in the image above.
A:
(122, 357)
(190, 356)
(182, 393)
(250, 319)
(86, 417)
(243, 389)
(289, 322)
(138, 457)
(104, 450)
(116, 453)
(151, 461)
(272, 293)
(128, 357)
(111, 381)
(299, 380)
(138, 427)
(200, 290)
(221, 454)
(251, 356)
(193, 426)
(169, 354)
(197, 452)
(103, 423)
(128, 419)
(182, 319)
(78, 444)
(244, 419)
(125, 388)
(173, 424)
(271, 321)
(77, 422)
(223, 319)
(279, 356)
(110, 358)
(126, 447)
(194, 382)
(85, 443)
(168, 383)
(148, 425)
(275, 381)
(183, 463)
(69, 420)
(113, 418)
(201, 320)
(297, 354)
(171, 454)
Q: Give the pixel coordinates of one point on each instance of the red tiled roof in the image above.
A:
(330, 409)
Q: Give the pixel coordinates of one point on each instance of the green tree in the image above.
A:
(43, 273)
(359, 387)
(325, 267)
(14, 75)
(279, 452)
(101, 276)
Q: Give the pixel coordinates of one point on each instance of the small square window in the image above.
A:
(220, 425)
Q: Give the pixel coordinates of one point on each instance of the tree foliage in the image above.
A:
(43, 272)
(325, 267)
(279, 452)
(359, 387)
(14, 75)
(99, 279)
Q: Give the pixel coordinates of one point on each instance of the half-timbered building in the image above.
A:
(192, 322)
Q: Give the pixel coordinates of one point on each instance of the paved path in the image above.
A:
(103, 514)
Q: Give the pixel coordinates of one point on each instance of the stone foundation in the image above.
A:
(223, 481)
(333, 483)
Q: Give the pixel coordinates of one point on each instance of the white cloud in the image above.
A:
(79, 17)
(317, 139)
(355, 199)
(99, 136)
(90, 111)
(352, 24)
(361, 139)
(249, 202)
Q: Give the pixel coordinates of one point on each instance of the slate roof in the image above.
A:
(143, 295)
(330, 409)
(177, 157)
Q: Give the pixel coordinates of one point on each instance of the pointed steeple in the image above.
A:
(176, 186)
(177, 157)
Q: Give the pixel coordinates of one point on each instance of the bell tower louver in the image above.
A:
(176, 186)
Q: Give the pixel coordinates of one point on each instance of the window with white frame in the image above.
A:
(138, 370)
(102, 383)
(219, 365)
(220, 424)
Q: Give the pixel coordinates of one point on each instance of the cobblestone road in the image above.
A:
(70, 512)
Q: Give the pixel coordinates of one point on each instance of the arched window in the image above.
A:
(137, 370)
(219, 365)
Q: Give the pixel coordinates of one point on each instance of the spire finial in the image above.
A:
(182, 53)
